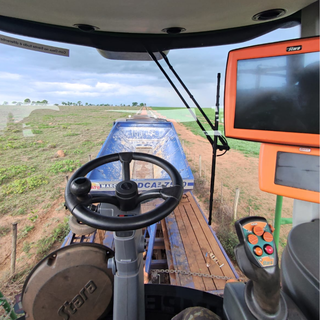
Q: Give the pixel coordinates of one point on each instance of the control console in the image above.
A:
(258, 259)
(256, 236)
(260, 298)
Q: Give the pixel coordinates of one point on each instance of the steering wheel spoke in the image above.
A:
(125, 160)
(103, 198)
(164, 193)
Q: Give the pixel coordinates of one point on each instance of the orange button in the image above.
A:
(253, 239)
(267, 236)
(258, 251)
(258, 230)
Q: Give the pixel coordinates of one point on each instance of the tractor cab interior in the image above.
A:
(95, 282)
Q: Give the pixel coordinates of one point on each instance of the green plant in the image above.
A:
(58, 234)
(228, 238)
(4, 230)
(25, 231)
(71, 134)
(64, 166)
(20, 276)
(26, 247)
(19, 212)
(78, 151)
(36, 131)
(22, 185)
(15, 171)
(33, 218)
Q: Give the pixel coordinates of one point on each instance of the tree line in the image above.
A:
(78, 103)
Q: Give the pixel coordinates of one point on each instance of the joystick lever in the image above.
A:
(258, 260)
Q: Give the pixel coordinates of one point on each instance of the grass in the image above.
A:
(4, 230)
(25, 231)
(67, 165)
(164, 108)
(248, 148)
(58, 234)
(228, 238)
(30, 172)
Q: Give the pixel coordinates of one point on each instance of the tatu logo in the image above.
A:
(294, 48)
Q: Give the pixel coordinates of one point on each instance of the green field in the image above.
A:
(183, 115)
(31, 173)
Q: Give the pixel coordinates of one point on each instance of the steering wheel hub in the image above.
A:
(126, 189)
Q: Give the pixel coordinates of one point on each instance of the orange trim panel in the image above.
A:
(267, 170)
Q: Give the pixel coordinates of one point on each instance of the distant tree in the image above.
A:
(86, 103)
(5, 103)
(79, 103)
(142, 104)
(14, 102)
(134, 104)
(33, 102)
(44, 102)
(27, 100)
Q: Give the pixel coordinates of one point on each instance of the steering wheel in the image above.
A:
(78, 197)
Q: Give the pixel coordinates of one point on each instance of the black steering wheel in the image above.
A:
(78, 197)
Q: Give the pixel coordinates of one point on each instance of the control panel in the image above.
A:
(256, 235)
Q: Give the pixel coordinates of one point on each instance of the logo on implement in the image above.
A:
(294, 48)
(70, 308)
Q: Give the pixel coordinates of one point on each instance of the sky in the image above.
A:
(88, 77)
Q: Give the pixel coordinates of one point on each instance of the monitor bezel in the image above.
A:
(264, 51)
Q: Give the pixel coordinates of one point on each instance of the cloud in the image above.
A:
(88, 76)
(10, 76)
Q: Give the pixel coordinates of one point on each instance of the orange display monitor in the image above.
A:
(272, 93)
(290, 171)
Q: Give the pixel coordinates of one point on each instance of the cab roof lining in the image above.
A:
(134, 42)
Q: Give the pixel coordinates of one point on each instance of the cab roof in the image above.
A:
(140, 25)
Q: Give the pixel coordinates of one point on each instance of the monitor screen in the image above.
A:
(278, 93)
(297, 171)
(272, 93)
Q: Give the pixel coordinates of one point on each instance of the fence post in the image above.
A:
(235, 205)
(14, 248)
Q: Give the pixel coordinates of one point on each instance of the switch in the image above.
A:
(253, 239)
(267, 236)
(257, 251)
(257, 230)
(268, 249)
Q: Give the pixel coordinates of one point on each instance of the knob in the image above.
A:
(80, 187)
